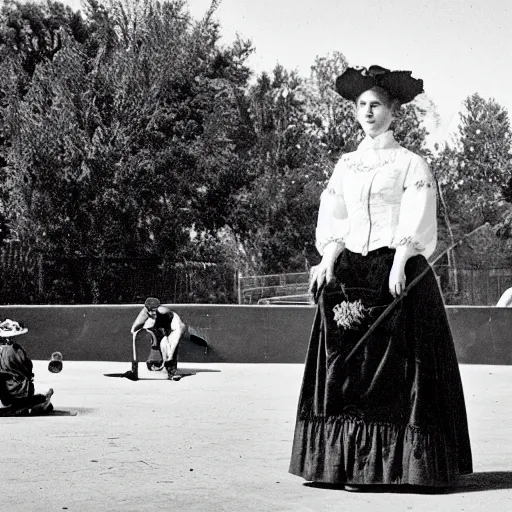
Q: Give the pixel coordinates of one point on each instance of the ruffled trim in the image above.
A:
(407, 240)
(423, 183)
(324, 243)
(339, 449)
(359, 162)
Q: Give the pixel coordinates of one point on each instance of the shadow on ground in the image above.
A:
(484, 481)
(182, 372)
(70, 411)
(476, 482)
(197, 370)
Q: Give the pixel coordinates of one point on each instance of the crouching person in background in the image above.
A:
(167, 330)
(17, 395)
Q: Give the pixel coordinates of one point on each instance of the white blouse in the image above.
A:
(381, 195)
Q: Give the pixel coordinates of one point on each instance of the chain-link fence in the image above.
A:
(28, 278)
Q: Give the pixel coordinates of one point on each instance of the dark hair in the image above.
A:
(152, 303)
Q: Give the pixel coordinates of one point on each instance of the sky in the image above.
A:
(458, 47)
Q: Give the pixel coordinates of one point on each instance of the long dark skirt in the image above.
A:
(394, 413)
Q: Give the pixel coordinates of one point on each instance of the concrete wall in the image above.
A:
(236, 334)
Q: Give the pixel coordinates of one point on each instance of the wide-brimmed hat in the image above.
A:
(10, 328)
(400, 84)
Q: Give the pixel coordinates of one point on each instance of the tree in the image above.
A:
(30, 34)
(476, 173)
(474, 176)
(33, 31)
(134, 153)
(129, 142)
(133, 132)
(483, 169)
(301, 128)
(296, 138)
(273, 218)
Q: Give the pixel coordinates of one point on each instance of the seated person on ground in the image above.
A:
(17, 395)
(167, 330)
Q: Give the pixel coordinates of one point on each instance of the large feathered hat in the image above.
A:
(400, 84)
(10, 328)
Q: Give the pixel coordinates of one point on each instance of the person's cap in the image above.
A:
(400, 84)
(152, 303)
(10, 328)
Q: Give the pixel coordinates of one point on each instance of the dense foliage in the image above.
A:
(130, 131)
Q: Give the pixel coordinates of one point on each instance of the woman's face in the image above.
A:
(373, 113)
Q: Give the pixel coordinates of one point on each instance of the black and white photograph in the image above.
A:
(255, 256)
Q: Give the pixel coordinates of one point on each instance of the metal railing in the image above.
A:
(474, 286)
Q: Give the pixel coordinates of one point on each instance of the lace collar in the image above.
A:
(368, 155)
(385, 140)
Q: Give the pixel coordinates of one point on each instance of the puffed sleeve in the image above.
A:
(417, 226)
(333, 223)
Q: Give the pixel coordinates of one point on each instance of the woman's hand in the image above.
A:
(397, 278)
(323, 273)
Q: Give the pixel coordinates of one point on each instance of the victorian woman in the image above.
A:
(391, 412)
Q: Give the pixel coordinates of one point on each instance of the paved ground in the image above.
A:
(216, 441)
